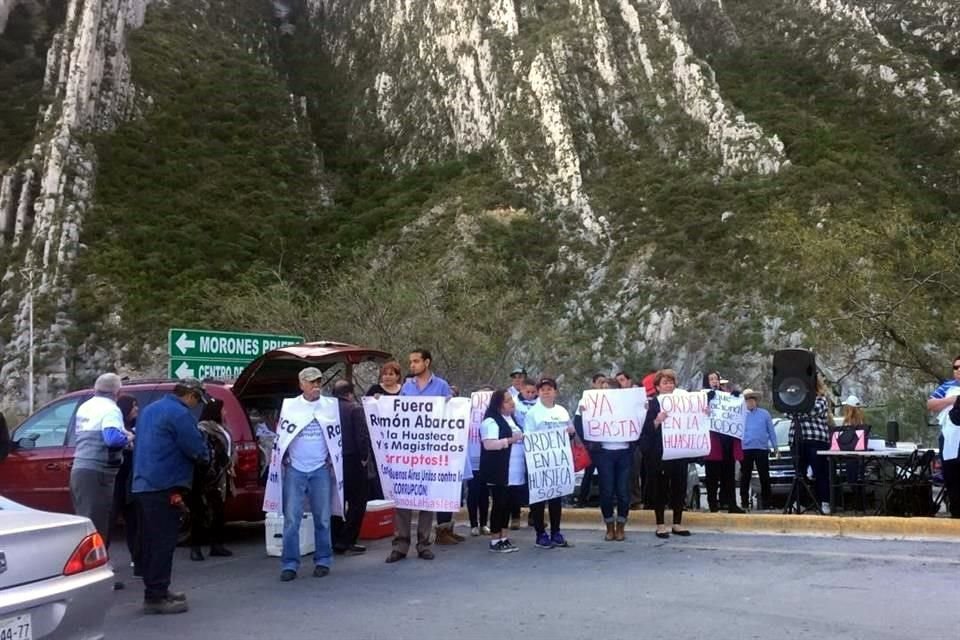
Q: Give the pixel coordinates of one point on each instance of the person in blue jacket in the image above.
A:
(168, 445)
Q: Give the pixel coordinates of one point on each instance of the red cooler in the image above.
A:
(378, 521)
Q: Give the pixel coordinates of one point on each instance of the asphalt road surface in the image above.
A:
(706, 586)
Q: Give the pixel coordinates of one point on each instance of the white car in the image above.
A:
(55, 580)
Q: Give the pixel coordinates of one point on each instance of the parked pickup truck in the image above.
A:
(36, 471)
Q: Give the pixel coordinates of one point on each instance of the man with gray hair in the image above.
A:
(101, 439)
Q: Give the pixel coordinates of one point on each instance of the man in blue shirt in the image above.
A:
(939, 399)
(758, 433)
(421, 382)
(167, 447)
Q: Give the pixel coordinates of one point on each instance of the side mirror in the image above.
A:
(30, 442)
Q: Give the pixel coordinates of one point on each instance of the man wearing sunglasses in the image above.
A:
(168, 446)
(942, 398)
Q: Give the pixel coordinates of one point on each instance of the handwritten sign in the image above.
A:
(686, 431)
(479, 401)
(613, 415)
(420, 444)
(549, 464)
(728, 414)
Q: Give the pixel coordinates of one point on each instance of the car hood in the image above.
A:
(275, 372)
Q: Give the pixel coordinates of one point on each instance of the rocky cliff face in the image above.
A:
(653, 141)
(44, 196)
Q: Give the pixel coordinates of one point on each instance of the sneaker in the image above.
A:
(485, 530)
(559, 541)
(825, 507)
(287, 575)
(321, 571)
(543, 541)
(475, 531)
(497, 547)
(165, 606)
(179, 596)
(510, 547)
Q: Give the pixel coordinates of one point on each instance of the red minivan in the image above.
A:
(36, 471)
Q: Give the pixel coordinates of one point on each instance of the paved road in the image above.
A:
(708, 586)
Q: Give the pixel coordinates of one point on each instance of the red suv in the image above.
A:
(36, 472)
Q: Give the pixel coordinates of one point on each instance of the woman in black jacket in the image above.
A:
(501, 464)
(668, 477)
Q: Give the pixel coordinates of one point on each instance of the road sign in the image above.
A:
(203, 353)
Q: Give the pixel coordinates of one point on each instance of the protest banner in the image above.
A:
(549, 464)
(613, 415)
(728, 413)
(420, 444)
(686, 431)
(479, 401)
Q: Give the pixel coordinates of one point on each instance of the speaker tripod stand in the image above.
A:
(801, 486)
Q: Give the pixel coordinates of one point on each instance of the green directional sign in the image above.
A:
(203, 353)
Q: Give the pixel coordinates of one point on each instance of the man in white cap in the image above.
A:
(101, 439)
(307, 473)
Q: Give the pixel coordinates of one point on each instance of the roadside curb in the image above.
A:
(850, 526)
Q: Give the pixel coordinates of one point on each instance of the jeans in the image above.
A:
(615, 467)
(316, 486)
(760, 457)
(554, 505)
(478, 501)
(160, 523)
(820, 465)
(951, 480)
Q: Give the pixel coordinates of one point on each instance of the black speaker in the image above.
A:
(893, 433)
(794, 380)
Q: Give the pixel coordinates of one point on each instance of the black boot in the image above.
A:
(220, 551)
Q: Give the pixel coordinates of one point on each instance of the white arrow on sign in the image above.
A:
(183, 344)
(183, 371)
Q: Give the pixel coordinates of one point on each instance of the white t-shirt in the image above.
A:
(520, 413)
(308, 451)
(490, 430)
(540, 418)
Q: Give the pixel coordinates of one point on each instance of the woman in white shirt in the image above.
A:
(545, 415)
(502, 464)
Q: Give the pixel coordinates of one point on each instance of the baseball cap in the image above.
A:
(193, 384)
(310, 374)
(518, 371)
(547, 382)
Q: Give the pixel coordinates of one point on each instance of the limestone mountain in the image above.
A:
(574, 184)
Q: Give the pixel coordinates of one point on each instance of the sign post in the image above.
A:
(203, 353)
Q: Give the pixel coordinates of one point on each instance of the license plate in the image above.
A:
(16, 628)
